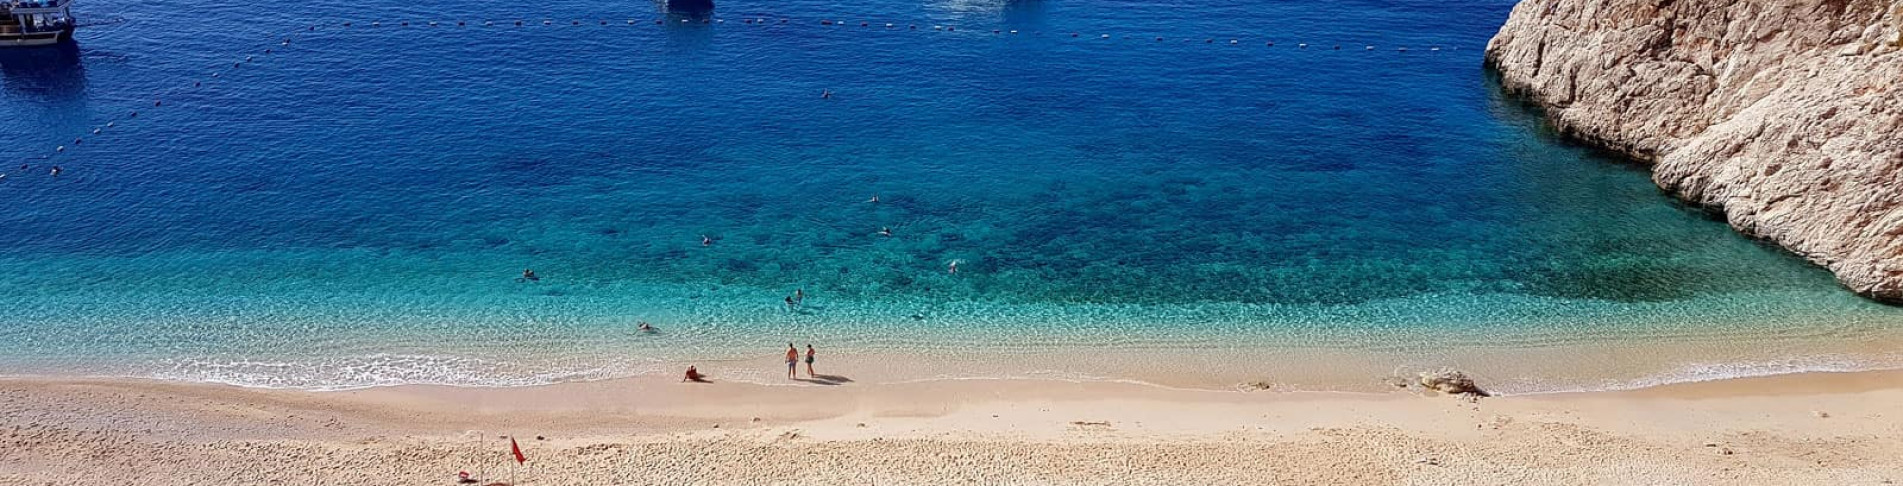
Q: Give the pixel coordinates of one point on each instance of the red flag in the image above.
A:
(517, 450)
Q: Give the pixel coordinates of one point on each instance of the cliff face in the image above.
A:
(1785, 115)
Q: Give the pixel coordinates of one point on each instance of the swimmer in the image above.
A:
(529, 275)
(705, 241)
(57, 170)
(874, 200)
(885, 231)
(645, 327)
(825, 94)
(799, 296)
(790, 305)
(952, 267)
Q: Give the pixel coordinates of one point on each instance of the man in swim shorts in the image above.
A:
(792, 361)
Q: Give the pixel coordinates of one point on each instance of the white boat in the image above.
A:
(35, 22)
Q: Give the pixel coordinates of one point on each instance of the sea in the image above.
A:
(1313, 195)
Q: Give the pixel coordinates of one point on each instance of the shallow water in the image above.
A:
(354, 208)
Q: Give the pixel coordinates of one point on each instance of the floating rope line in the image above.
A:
(60, 151)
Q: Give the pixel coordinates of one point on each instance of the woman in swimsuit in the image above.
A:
(809, 362)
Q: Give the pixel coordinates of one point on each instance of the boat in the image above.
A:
(35, 22)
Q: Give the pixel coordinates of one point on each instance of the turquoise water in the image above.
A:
(354, 208)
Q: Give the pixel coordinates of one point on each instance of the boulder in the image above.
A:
(1451, 382)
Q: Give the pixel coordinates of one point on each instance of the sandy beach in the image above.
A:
(1816, 428)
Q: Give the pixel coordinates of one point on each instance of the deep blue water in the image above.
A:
(354, 207)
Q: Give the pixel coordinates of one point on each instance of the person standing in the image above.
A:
(792, 361)
(809, 362)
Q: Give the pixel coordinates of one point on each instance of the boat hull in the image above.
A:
(36, 39)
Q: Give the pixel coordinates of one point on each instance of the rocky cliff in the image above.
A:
(1784, 115)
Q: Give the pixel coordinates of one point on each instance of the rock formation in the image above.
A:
(1783, 115)
(1452, 383)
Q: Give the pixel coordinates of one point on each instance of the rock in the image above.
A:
(1780, 115)
(1451, 382)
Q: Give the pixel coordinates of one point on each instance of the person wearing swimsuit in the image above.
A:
(809, 362)
(792, 361)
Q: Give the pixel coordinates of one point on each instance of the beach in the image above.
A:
(1810, 428)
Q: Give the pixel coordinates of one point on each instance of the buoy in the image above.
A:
(195, 84)
(545, 22)
(1433, 48)
(346, 24)
(109, 124)
(1209, 41)
(313, 28)
(518, 23)
(61, 148)
(1370, 48)
(1073, 34)
(157, 103)
(574, 22)
(285, 43)
(406, 23)
(1337, 47)
(1403, 49)
(129, 115)
(237, 64)
(249, 58)
(717, 21)
(994, 31)
(432, 23)
(630, 21)
(1159, 39)
(914, 26)
(657, 21)
(888, 26)
(376, 24)
(938, 27)
(267, 51)
(863, 24)
(951, 28)
(95, 131)
(1105, 36)
(214, 75)
(1302, 45)
(488, 23)
(1234, 41)
(459, 23)
(76, 141)
(683, 21)
(1270, 44)
(1014, 32)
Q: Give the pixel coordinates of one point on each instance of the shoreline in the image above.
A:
(1790, 429)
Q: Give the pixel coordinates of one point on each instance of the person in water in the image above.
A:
(825, 94)
(952, 267)
(885, 231)
(705, 241)
(809, 362)
(790, 305)
(645, 327)
(792, 361)
(529, 275)
(874, 200)
(799, 296)
(693, 375)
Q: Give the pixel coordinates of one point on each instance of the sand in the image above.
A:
(1817, 428)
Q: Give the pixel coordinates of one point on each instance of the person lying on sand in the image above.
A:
(693, 375)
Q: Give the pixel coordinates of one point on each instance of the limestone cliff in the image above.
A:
(1784, 115)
